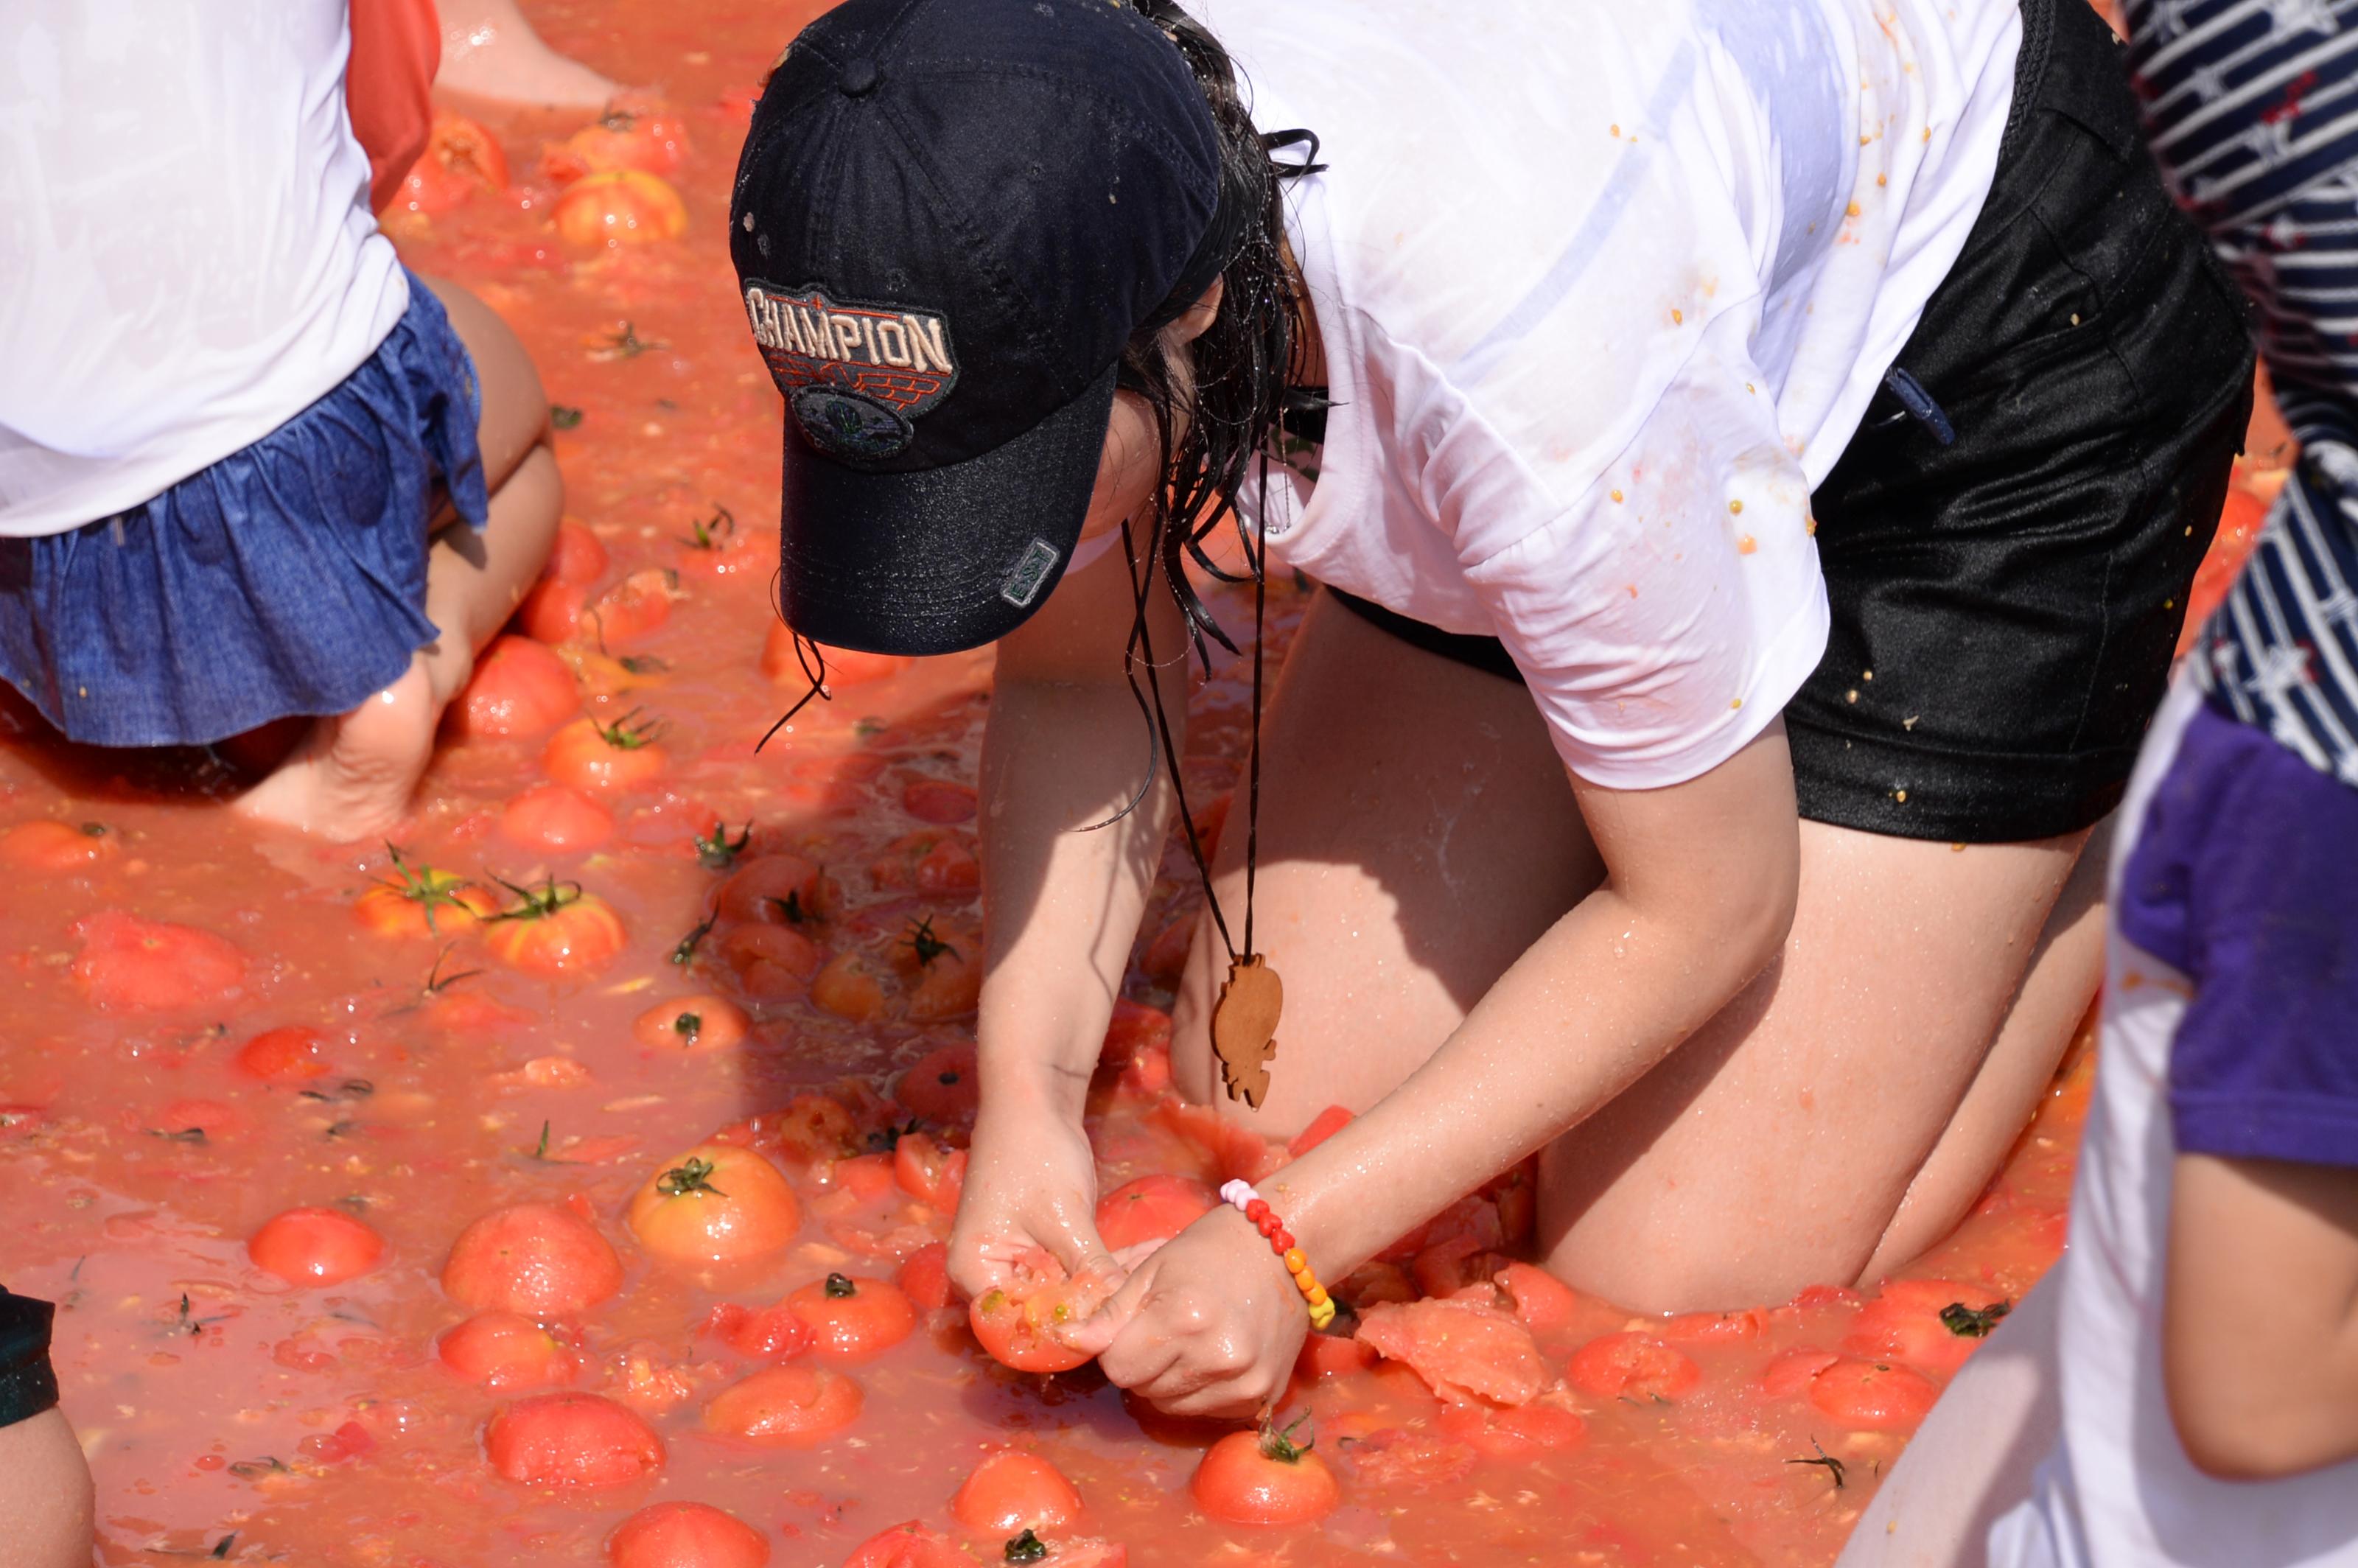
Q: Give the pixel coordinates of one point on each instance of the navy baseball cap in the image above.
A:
(949, 217)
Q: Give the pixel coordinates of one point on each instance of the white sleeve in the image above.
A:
(1667, 615)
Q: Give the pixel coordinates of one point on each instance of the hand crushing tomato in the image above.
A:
(1265, 1478)
(316, 1247)
(1017, 1322)
(557, 929)
(715, 1204)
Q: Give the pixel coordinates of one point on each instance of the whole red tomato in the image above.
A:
(316, 1247)
(538, 1259)
(571, 1440)
(716, 1203)
(1267, 1476)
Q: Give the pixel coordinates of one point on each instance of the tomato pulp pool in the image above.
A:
(699, 1100)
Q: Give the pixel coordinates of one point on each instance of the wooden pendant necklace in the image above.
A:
(1244, 1019)
(1245, 1015)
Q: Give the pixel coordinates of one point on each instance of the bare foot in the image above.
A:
(489, 50)
(353, 775)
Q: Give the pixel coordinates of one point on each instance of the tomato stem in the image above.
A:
(540, 903)
(626, 736)
(1026, 1548)
(1833, 1466)
(685, 954)
(687, 1026)
(713, 533)
(1973, 1322)
(922, 941)
(719, 851)
(840, 1287)
(690, 1178)
(423, 885)
(1278, 1443)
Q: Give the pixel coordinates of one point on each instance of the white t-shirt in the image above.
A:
(187, 256)
(2118, 1490)
(1604, 287)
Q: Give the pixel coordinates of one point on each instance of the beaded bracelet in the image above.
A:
(1240, 1197)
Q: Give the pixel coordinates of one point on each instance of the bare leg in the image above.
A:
(353, 776)
(489, 50)
(2065, 972)
(46, 1499)
(1417, 834)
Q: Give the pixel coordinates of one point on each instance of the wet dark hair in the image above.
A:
(1235, 383)
(1240, 376)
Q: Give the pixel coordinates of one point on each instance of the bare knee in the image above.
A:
(46, 1502)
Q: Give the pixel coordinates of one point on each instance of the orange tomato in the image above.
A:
(1013, 1491)
(716, 1203)
(712, 548)
(686, 1535)
(946, 964)
(692, 1025)
(620, 207)
(292, 1054)
(623, 755)
(557, 819)
(1264, 1477)
(1016, 1324)
(462, 161)
(556, 929)
(130, 965)
(850, 986)
(420, 900)
(631, 134)
(853, 1319)
(793, 1406)
(571, 1440)
(315, 1246)
(59, 847)
(506, 1350)
(539, 1259)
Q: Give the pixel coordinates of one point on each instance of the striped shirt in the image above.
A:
(2252, 110)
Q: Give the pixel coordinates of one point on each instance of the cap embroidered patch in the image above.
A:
(1030, 569)
(856, 374)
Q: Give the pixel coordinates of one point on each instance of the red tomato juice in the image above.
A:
(229, 1413)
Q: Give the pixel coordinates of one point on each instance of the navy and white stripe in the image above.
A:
(2252, 110)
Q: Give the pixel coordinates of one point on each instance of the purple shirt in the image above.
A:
(2247, 880)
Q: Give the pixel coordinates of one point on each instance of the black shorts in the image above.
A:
(2005, 605)
(27, 1384)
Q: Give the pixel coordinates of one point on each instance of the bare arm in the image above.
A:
(1699, 893)
(45, 1494)
(1065, 747)
(2260, 1316)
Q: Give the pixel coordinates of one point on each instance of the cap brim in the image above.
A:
(943, 560)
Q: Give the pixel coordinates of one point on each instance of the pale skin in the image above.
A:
(2260, 1316)
(1754, 1053)
(489, 52)
(47, 1503)
(351, 777)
